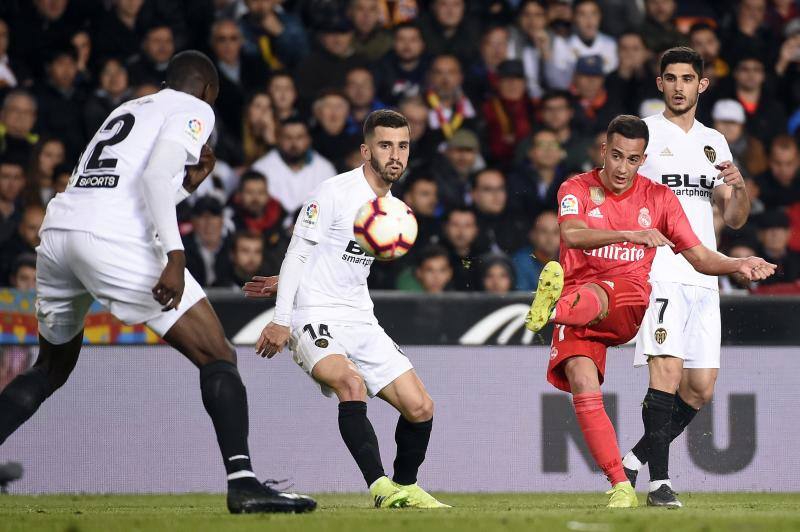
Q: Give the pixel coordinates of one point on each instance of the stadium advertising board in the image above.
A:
(130, 420)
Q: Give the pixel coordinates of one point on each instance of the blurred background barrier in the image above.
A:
(130, 420)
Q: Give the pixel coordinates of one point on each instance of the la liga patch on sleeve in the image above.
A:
(569, 205)
(194, 128)
(310, 215)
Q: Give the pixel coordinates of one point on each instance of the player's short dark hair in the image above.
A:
(251, 175)
(630, 127)
(384, 118)
(191, 68)
(682, 54)
(432, 251)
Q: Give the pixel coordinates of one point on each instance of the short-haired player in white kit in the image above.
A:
(98, 241)
(324, 312)
(679, 338)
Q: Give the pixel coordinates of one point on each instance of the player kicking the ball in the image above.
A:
(98, 242)
(679, 340)
(324, 312)
(611, 221)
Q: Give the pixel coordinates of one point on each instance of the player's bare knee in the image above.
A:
(418, 410)
(350, 387)
(665, 373)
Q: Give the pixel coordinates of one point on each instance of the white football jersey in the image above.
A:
(334, 285)
(685, 163)
(104, 195)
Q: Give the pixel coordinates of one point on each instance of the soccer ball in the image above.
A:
(385, 228)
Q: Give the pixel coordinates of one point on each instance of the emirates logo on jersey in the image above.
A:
(616, 252)
(644, 217)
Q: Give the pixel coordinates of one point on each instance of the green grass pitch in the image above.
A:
(352, 512)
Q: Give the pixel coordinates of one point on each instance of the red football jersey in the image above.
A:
(646, 205)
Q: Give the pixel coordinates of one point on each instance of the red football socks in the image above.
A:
(578, 309)
(599, 434)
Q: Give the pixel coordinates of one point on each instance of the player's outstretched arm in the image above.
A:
(276, 334)
(260, 287)
(576, 234)
(711, 262)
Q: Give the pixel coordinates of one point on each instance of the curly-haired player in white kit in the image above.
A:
(679, 339)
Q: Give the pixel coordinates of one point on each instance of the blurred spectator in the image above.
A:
(293, 169)
(17, 118)
(247, 259)
(557, 113)
(239, 73)
(254, 210)
(530, 42)
(23, 272)
(460, 238)
(450, 109)
(737, 283)
(748, 34)
(632, 81)
(61, 102)
(453, 168)
(422, 147)
(150, 65)
(401, 73)
(334, 57)
(595, 152)
(259, 128)
(586, 41)
(787, 67)
(774, 237)
(332, 137)
(24, 240)
(509, 114)
(12, 183)
(359, 87)
(703, 38)
(41, 27)
(82, 42)
(780, 186)
(371, 40)
(113, 91)
(501, 230)
(273, 34)
(765, 115)
(448, 30)
(748, 152)
(61, 177)
(47, 154)
(119, 31)
(543, 238)
(421, 195)
(8, 80)
(595, 108)
(497, 274)
(434, 272)
(533, 187)
(206, 247)
(781, 13)
(620, 16)
(283, 92)
(481, 76)
(659, 29)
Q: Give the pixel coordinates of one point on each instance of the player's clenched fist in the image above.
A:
(272, 340)
(169, 289)
(649, 237)
(196, 173)
(261, 287)
(756, 268)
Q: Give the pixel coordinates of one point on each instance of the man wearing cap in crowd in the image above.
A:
(508, 115)
(588, 86)
(748, 152)
(453, 168)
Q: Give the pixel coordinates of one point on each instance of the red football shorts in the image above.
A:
(626, 308)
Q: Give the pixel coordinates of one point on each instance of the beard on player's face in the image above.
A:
(389, 172)
(683, 106)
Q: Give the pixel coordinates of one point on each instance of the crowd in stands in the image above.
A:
(506, 99)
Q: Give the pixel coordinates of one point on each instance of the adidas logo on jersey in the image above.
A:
(595, 213)
(666, 153)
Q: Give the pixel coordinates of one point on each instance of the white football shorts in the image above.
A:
(378, 358)
(681, 321)
(75, 267)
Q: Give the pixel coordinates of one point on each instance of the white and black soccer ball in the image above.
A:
(385, 228)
